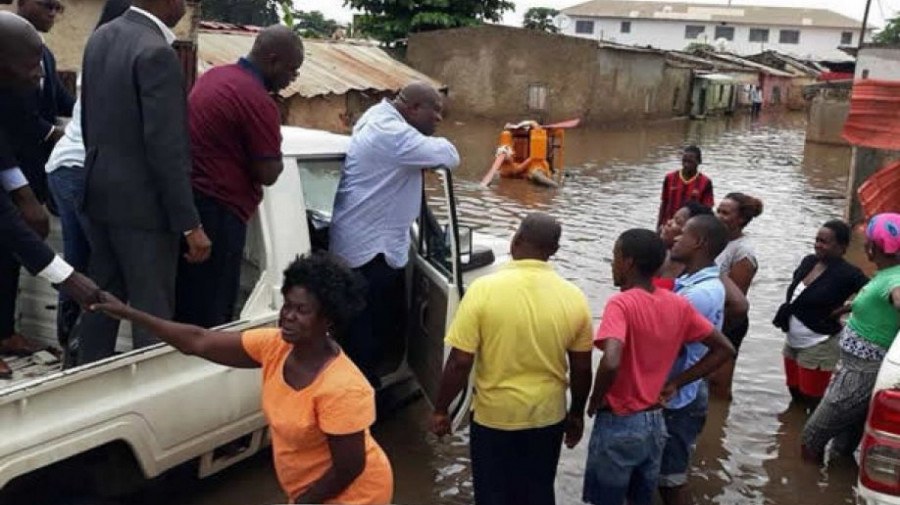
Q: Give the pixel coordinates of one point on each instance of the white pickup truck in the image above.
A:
(102, 430)
(879, 458)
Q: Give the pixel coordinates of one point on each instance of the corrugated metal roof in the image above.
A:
(330, 67)
(733, 58)
(698, 61)
(713, 13)
(787, 63)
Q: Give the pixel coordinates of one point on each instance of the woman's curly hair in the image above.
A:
(339, 290)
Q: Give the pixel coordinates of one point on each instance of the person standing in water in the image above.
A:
(810, 315)
(738, 262)
(684, 185)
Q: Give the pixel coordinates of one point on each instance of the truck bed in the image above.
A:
(29, 368)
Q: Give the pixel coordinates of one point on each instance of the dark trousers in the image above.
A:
(138, 267)
(66, 186)
(9, 289)
(207, 292)
(755, 108)
(382, 317)
(19, 245)
(515, 467)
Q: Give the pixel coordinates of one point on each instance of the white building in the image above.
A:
(877, 61)
(814, 34)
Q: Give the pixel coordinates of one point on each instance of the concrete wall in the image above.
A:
(490, 69)
(796, 100)
(334, 113)
(827, 116)
(321, 112)
(879, 63)
(815, 43)
(69, 36)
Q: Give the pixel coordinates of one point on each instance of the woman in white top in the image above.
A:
(810, 314)
(737, 262)
(65, 179)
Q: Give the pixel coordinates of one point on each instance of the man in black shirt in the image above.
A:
(21, 215)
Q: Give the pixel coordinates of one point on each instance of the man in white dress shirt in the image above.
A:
(378, 198)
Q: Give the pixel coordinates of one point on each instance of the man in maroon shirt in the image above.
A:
(685, 185)
(235, 129)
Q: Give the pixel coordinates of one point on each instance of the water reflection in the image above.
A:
(748, 453)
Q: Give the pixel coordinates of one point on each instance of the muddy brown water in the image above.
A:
(749, 450)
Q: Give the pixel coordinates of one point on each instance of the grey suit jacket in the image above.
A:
(134, 120)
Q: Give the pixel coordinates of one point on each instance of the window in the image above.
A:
(789, 37)
(693, 32)
(537, 97)
(584, 27)
(759, 35)
(846, 38)
(725, 32)
(626, 27)
(320, 178)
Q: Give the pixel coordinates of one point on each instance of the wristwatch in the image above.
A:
(192, 230)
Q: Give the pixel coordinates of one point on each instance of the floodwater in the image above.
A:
(749, 450)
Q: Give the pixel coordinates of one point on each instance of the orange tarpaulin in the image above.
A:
(881, 192)
(874, 119)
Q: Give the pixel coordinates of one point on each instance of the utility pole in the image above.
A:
(862, 32)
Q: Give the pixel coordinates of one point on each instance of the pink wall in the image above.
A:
(775, 90)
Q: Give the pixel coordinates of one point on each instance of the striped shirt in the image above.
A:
(677, 192)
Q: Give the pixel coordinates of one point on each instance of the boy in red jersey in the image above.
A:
(685, 185)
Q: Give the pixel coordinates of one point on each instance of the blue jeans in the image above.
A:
(683, 426)
(66, 186)
(624, 457)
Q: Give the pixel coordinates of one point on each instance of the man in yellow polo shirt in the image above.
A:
(528, 333)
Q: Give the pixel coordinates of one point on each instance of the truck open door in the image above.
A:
(435, 288)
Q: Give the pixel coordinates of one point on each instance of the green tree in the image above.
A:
(241, 12)
(699, 47)
(391, 20)
(541, 18)
(891, 32)
(313, 24)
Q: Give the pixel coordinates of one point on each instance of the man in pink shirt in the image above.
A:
(642, 331)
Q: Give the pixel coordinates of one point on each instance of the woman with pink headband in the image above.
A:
(873, 325)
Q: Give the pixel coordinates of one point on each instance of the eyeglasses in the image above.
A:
(50, 5)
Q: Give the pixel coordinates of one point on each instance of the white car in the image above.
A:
(879, 459)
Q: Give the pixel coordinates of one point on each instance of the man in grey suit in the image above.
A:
(138, 192)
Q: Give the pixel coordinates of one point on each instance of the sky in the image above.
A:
(881, 9)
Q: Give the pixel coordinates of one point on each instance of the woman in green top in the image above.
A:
(873, 325)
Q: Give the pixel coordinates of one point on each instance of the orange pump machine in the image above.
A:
(532, 151)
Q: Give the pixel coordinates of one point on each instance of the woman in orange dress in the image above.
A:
(318, 404)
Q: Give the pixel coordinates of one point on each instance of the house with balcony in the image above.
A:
(808, 34)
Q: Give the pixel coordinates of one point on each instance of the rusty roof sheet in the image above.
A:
(699, 62)
(330, 67)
